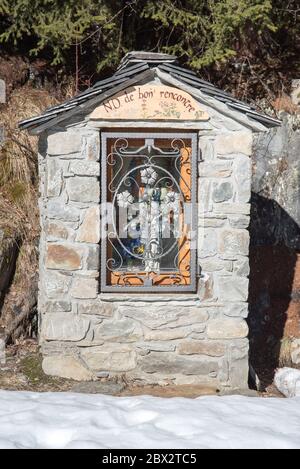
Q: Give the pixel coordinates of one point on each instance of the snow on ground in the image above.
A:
(65, 420)
(287, 380)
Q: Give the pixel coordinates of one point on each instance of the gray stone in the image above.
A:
(204, 197)
(194, 347)
(2, 134)
(197, 335)
(239, 221)
(215, 264)
(92, 337)
(93, 274)
(170, 364)
(89, 230)
(63, 257)
(166, 317)
(239, 392)
(242, 175)
(207, 149)
(229, 208)
(275, 182)
(2, 348)
(57, 209)
(54, 178)
(235, 310)
(241, 267)
(2, 92)
(233, 243)
(233, 288)
(227, 328)
(219, 169)
(222, 192)
(211, 221)
(83, 189)
(295, 94)
(64, 327)
(84, 288)
(207, 242)
(58, 348)
(92, 147)
(84, 168)
(100, 309)
(57, 306)
(102, 374)
(110, 357)
(167, 334)
(234, 142)
(206, 291)
(224, 373)
(295, 351)
(57, 284)
(93, 258)
(156, 347)
(239, 366)
(56, 231)
(120, 330)
(66, 367)
(96, 387)
(64, 143)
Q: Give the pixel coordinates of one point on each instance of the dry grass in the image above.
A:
(285, 103)
(285, 352)
(18, 165)
(19, 218)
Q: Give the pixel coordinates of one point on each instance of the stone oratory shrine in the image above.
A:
(145, 183)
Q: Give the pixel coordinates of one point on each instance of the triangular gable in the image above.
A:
(150, 102)
(140, 68)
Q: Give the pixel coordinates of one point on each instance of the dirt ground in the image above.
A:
(23, 372)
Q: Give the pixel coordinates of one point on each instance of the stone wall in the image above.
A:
(158, 338)
(275, 249)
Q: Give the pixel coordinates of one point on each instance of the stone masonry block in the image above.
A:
(84, 288)
(83, 189)
(210, 348)
(63, 257)
(242, 174)
(89, 230)
(110, 357)
(233, 243)
(66, 367)
(233, 288)
(54, 178)
(234, 142)
(64, 143)
(222, 192)
(227, 328)
(84, 168)
(64, 327)
(219, 169)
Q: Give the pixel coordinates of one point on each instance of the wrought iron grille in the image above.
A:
(148, 212)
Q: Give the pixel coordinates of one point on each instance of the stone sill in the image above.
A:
(151, 298)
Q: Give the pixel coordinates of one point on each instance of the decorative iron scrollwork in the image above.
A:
(147, 187)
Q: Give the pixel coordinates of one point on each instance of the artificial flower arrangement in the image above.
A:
(147, 228)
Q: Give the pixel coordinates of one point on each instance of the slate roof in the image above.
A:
(134, 67)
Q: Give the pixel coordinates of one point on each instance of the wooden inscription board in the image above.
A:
(151, 102)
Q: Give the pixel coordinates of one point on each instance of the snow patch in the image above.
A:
(66, 420)
(287, 381)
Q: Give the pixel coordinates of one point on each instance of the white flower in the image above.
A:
(125, 199)
(149, 176)
(172, 199)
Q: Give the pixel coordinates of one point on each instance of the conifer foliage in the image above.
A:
(250, 42)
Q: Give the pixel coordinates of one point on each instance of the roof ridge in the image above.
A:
(133, 67)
